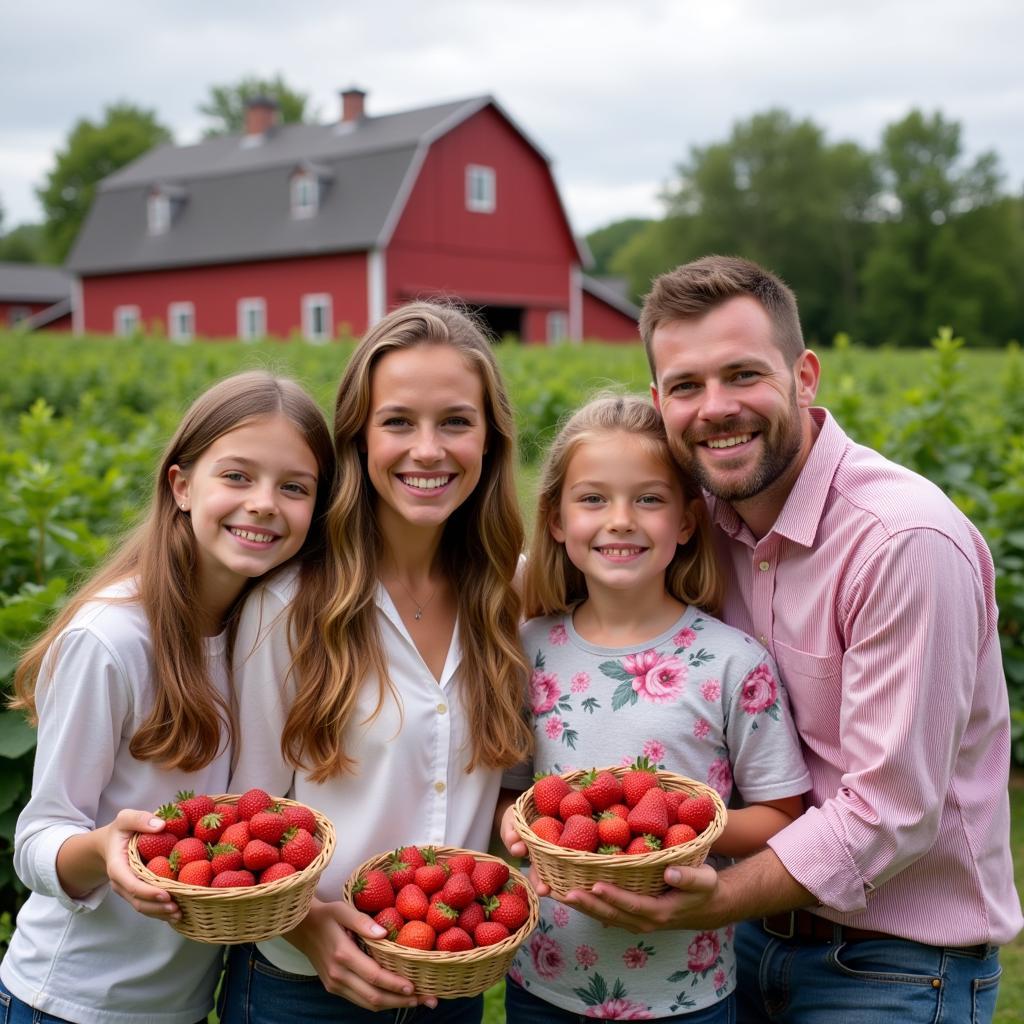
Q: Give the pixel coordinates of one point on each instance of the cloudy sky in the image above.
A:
(614, 91)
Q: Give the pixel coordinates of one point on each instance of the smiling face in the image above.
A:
(250, 497)
(426, 435)
(734, 409)
(621, 513)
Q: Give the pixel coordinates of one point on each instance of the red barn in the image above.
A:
(33, 295)
(318, 230)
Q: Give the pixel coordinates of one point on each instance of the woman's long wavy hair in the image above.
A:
(552, 583)
(189, 722)
(335, 637)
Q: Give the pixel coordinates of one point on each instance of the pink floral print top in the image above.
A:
(703, 700)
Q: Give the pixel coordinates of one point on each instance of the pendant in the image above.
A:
(419, 614)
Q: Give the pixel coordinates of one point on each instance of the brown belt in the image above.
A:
(803, 926)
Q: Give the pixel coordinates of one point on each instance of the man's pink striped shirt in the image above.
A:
(875, 595)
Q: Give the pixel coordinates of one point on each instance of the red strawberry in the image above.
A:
(516, 888)
(187, 850)
(613, 831)
(299, 816)
(228, 814)
(162, 866)
(209, 827)
(471, 917)
(233, 880)
(411, 855)
(580, 833)
(432, 875)
(412, 903)
(175, 820)
(649, 816)
(611, 851)
(390, 919)
(236, 835)
(416, 935)
(677, 835)
(696, 811)
(258, 855)
(548, 791)
(602, 789)
(620, 811)
(440, 916)
(574, 803)
(490, 932)
(644, 844)
(268, 825)
(454, 940)
(458, 891)
(196, 872)
(548, 828)
(276, 871)
(225, 857)
(673, 798)
(462, 862)
(489, 876)
(508, 909)
(299, 848)
(372, 892)
(251, 802)
(195, 807)
(400, 873)
(641, 777)
(155, 844)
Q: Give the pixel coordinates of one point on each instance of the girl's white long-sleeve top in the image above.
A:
(96, 959)
(410, 784)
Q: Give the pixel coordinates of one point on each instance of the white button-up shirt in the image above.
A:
(410, 783)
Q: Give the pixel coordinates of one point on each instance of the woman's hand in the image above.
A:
(343, 967)
(509, 835)
(113, 847)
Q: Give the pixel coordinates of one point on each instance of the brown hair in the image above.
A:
(334, 633)
(188, 722)
(553, 584)
(690, 291)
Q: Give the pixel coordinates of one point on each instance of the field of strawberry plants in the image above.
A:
(84, 421)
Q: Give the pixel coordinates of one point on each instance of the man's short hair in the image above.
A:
(694, 289)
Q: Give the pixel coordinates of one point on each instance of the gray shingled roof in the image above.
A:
(33, 282)
(612, 292)
(236, 197)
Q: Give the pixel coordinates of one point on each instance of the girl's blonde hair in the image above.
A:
(336, 642)
(189, 720)
(553, 584)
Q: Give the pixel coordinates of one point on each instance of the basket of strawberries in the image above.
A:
(455, 918)
(241, 868)
(622, 825)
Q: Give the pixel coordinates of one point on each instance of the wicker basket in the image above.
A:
(563, 869)
(249, 914)
(449, 975)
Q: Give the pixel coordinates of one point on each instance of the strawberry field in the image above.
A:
(84, 421)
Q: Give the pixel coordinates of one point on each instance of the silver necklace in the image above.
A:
(419, 607)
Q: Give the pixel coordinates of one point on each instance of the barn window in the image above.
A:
(558, 326)
(252, 319)
(158, 213)
(305, 195)
(181, 321)
(480, 189)
(126, 321)
(317, 318)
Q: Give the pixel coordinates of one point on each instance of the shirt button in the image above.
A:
(764, 566)
(439, 786)
(763, 640)
(442, 708)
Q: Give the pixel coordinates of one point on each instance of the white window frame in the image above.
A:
(177, 311)
(257, 307)
(305, 195)
(481, 189)
(127, 320)
(311, 303)
(158, 213)
(557, 326)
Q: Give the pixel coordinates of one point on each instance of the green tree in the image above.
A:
(23, 244)
(605, 243)
(93, 150)
(226, 105)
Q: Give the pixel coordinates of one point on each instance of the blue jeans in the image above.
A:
(14, 1011)
(523, 1007)
(254, 991)
(874, 981)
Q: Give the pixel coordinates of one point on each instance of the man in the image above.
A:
(888, 898)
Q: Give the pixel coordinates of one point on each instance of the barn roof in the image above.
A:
(33, 282)
(232, 198)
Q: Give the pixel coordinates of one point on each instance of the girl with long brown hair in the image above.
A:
(387, 690)
(130, 690)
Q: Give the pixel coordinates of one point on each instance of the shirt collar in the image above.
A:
(800, 516)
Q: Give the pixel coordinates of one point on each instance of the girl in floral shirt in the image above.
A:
(628, 659)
